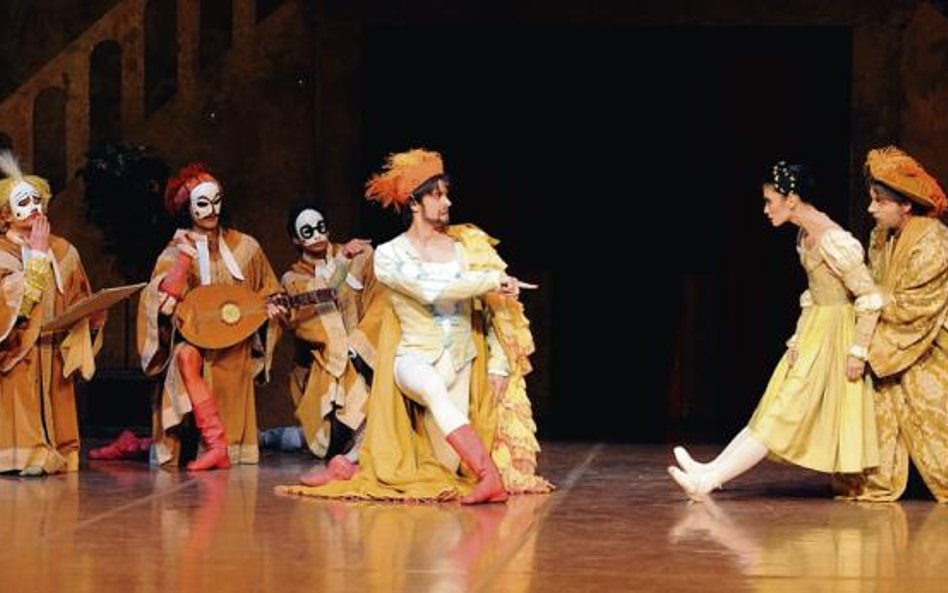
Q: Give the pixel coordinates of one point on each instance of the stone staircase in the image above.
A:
(199, 111)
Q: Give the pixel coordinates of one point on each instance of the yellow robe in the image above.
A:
(515, 443)
(38, 422)
(229, 372)
(323, 378)
(909, 355)
(396, 460)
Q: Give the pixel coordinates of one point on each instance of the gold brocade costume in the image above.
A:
(515, 443)
(38, 422)
(909, 355)
(810, 414)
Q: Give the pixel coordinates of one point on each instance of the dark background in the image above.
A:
(622, 164)
(616, 148)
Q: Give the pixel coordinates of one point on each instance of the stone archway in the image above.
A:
(49, 136)
(161, 53)
(265, 7)
(216, 31)
(105, 92)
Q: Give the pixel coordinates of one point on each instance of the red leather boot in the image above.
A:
(212, 431)
(489, 487)
(126, 446)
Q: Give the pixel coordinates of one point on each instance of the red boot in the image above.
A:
(212, 431)
(489, 487)
(126, 446)
(338, 468)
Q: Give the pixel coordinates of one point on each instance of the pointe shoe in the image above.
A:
(687, 463)
(698, 488)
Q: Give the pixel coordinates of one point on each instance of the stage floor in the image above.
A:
(616, 523)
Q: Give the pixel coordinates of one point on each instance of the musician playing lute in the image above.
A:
(217, 384)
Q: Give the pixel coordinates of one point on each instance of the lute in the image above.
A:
(222, 315)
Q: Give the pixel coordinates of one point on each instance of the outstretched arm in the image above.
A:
(409, 277)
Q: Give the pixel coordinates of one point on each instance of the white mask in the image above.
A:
(25, 201)
(311, 227)
(206, 200)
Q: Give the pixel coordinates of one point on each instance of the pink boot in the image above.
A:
(126, 446)
(490, 486)
(212, 431)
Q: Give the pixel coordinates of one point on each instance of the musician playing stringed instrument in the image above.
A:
(333, 355)
(217, 384)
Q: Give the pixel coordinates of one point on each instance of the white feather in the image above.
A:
(9, 165)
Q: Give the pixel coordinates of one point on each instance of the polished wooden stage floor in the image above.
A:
(616, 523)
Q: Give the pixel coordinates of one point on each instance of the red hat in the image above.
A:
(178, 190)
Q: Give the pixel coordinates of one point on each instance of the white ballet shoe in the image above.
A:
(687, 463)
(697, 487)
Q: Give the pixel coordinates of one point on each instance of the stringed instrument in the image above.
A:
(222, 315)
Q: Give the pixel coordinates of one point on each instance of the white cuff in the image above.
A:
(860, 352)
(869, 303)
(806, 299)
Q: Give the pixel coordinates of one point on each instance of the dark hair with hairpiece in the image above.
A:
(789, 178)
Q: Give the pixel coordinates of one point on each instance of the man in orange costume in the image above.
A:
(218, 385)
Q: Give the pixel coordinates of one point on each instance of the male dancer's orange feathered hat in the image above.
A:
(403, 173)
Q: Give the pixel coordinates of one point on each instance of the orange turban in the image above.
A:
(897, 170)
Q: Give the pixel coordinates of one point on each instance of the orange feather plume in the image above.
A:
(403, 173)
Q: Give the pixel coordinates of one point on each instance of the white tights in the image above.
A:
(441, 389)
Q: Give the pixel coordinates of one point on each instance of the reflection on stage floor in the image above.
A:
(616, 523)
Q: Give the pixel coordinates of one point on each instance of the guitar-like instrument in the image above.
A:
(221, 315)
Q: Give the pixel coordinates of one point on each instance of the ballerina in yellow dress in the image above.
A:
(817, 411)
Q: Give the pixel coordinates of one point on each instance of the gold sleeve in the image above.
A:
(914, 309)
(35, 276)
